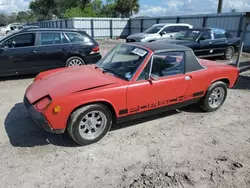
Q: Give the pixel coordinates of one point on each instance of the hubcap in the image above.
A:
(75, 62)
(92, 125)
(230, 53)
(216, 97)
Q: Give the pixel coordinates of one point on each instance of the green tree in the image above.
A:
(44, 9)
(93, 9)
(12, 17)
(25, 16)
(233, 10)
(64, 5)
(125, 8)
(4, 19)
(109, 9)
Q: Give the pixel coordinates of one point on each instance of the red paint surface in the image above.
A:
(65, 86)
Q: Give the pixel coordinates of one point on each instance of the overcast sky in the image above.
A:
(155, 7)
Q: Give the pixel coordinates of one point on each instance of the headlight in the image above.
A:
(43, 103)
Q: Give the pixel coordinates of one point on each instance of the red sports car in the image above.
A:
(131, 81)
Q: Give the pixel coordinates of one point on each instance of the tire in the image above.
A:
(212, 95)
(229, 53)
(81, 124)
(74, 61)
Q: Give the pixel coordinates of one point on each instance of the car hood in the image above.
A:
(175, 41)
(68, 81)
(141, 35)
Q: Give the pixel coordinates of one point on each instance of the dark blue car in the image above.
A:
(207, 42)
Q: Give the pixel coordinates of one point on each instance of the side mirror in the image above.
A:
(154, 77)
(163, 33)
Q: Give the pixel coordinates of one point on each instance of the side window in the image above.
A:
(176, 29)
(165, 64)
(229, 35)
(167, 29)
(23, 40)
(206, 35)
(77, 38)
(52, 38)
(219, 34)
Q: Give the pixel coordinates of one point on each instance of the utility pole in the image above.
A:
(220, 3)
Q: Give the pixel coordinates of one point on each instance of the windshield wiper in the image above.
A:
(113, 72)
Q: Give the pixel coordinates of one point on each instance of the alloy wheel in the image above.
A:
(92, 125)
(216, 97)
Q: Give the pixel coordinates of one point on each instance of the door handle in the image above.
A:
(188, 78)
(34, 52)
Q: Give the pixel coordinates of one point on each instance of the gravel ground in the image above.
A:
(184, 148)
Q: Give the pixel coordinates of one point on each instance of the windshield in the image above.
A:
(187, 35)
(153, 29)
(123, 61)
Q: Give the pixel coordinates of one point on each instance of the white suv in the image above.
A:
(158, 31)
(8, 28)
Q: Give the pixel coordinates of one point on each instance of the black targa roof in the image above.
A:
(161, 46)
(191, 61)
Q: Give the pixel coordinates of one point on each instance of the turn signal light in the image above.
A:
(57, 109)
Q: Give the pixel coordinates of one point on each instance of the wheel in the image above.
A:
(89, 124)
(215, 97)
(229, 53)
(74, 61)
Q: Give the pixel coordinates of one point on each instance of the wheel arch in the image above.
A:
(225, 80)
(107, 104)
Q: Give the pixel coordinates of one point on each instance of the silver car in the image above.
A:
(158, 31)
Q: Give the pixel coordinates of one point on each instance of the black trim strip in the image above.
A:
(198, 94)
(157, 110)
(142, 107)
(135, 109)
(124, 111)
(173, 100)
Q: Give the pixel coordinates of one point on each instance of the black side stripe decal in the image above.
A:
(160, 103)
(124, 111)
(198, 94)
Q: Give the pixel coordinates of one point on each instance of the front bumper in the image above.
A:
(39, 119)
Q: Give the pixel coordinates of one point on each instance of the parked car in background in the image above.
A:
(158, 31)
(10, 27)
(35, 50)
(208, 42)
(22, 28)
(86, 101)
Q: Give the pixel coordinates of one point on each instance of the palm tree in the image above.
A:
(220, 3)
(127, 7)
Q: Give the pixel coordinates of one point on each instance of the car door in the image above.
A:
(206, 46)
(167, 86)
(220, 41)
(18, 54)
(52, 49)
